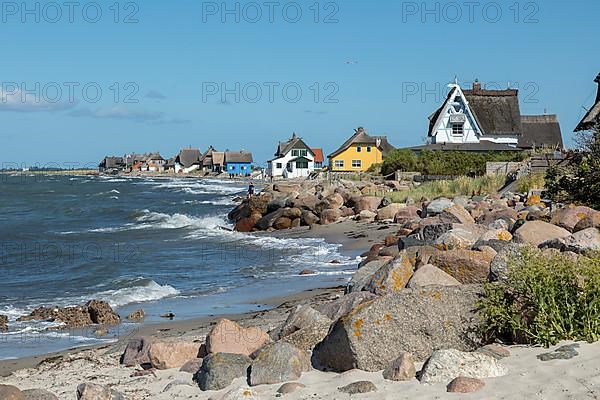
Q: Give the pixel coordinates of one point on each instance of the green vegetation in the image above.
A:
(463, 186)
(579, 180)
(531, 182)
(451, 163)
(545, 300)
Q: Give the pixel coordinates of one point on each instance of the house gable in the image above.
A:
(455, 121)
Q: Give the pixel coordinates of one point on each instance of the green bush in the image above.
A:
(453, 163)
(545, 300)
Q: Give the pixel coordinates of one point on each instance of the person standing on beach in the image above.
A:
(250, 190)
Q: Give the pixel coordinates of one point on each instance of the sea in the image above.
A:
(160, 244)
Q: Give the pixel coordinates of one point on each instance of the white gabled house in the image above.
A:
(293, 159)
(188, 160)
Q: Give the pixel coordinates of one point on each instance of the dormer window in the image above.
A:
(457, 129)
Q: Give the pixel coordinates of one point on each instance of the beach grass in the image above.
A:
(531, 182)
(462, 186)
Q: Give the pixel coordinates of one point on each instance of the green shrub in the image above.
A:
(462, 186)
(453, 163)
(545, 300)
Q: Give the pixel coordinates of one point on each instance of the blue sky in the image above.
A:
(383, 65)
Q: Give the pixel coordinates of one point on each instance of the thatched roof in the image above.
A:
(207, 157)
(540, 131)
(238, 157)
(218, 158)
(592, 117)
(112, 162)
(189, 157)
(497, 111)
(361, 137)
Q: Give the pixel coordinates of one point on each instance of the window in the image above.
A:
(299, 153)
(243, 168)
(279, 165)
(368, 149)
(356, 164)
(457, 129)
(232, 168)
(358, 148)
(302, 164)
(339, 163)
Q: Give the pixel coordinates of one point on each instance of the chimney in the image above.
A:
(360, 129)
(476, 85)
(597, 80)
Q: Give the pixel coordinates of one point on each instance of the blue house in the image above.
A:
(238, 163)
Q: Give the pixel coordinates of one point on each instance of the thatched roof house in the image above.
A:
(592, 117)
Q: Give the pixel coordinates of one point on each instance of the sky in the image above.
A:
(81, 80)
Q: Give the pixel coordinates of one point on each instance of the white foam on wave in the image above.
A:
(150, 291)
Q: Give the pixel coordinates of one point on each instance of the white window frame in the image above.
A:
(458, 129)
(356, 163)
(338, 163)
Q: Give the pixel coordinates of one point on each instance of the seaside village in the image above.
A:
(475, 120)
(481, 285)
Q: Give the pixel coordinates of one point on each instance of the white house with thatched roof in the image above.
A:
(293, 159)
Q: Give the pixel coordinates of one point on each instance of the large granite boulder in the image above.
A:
(445, 365)
(391, 277)
(268, 220)
(569, 217)
(306, 202)
(407, 214)
(278, 362)
(367, 203)
(457, 238)
(430, 275)
(38, 394)
(389, 212)
(342, 306)
(101, 313)
(304, 328)
(92, 391)
(418, 321)
(220, 369)
(309, 218)
(137, 352)
(8, 392)
(579, 242)
(458, 214)
(362, 277)
(438, 206)
(466, 266)
(167, 355)
(591, 221)
(330, 216)
(229, 337)
(538, 232)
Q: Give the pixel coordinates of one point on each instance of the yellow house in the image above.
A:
(359, 152)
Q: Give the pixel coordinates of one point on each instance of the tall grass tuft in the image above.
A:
(463, 186)
(531, 182)
(545, 300)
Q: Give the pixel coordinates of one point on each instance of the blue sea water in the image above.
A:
(150, 243)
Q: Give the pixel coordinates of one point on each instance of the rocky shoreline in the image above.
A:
(410, 310)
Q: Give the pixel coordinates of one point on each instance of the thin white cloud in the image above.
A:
(18, 101)
(155, 94)
(122, 113)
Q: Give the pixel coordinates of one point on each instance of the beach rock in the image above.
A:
(306, 202)
(167, 355)
(390, 251)
(366, 215)
(292, 213)
(330, 216)
(401, 369)
(499, 267)
(220, 369)
(309, 218)
(438, 206)
(579, 242)
(240, 393)
(71, 317)
(391, 277)
(246, 225)
(276, 204)
(287, 187)
(494, 350)
(465, 385)
(335, 200)
(8, 392)
(38, 394)
(268, 220)
(3, 323)
(173, 384)
(367, 203)
(254, 205)
(359, 387)
(101, 313)
(137, 315)
(591, 221)
(445, 365)
(338, 308)
(430, 275)
(569, 217)
(347, 212)
(466, 266)
(307, 272)
(300, 317)
(92, 391)
(418, 321)
(562, 353)
(229, 337)
(192, 366)
(458, 214)
(290, 387)
(137, 352)
(362, 277)
(538, 232)
(278, 362)
(407, 214)
(282, 223)
(497, 234)
(430, 232)
(389, 212)
(457, 238)
(296, 223)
